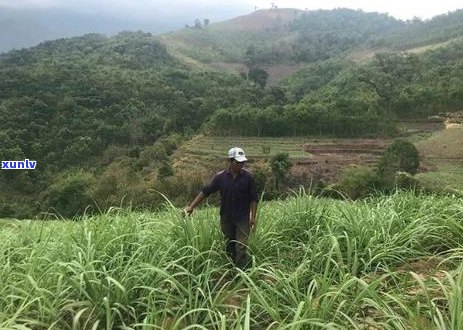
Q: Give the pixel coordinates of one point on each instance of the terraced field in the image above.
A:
(311, 157)
(255, 147)
(439, 144)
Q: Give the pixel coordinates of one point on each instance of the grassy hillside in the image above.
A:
(387, 263)
(228, 41)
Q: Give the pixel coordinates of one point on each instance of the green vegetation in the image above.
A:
(117, 124)
(400, 156)
(280, 164)
(323, 34)
(357, 182)
(215, 43)
(103, 104)
(446, 178)
(352, 100)
(418, 33)
(392, 262)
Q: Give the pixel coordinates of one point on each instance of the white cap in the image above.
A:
(237, 154)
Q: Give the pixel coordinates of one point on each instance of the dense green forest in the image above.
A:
(101, 116)
(66, 102)
(338, 98)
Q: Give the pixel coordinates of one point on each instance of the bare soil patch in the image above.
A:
(327, 158)
(281, 71)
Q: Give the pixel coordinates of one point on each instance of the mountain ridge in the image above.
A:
(276, 39)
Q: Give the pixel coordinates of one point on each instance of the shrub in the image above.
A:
(70, 193)
(153, 153)
(111, 187)
(6, 210)
(258, 76)
(165, 170)
(280, 164)
(401, 156)
(357, 182)
(261, 173)
(404, 180)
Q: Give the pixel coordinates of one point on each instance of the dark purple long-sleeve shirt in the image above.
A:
(236, 194)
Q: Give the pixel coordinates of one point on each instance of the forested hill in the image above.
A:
(124, 89)
(282, 35)
(101, 116)
(417, 33)
(84, 102)
(290, 36)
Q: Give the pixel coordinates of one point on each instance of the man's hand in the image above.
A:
(198, 199)
(188, 210)
(253, 224)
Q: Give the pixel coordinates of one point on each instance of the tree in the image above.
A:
(392, 77)
(198, 24)
(250, 55)
(280, 164)
(258, 75)
(275, 95)
(402, 156)
(206, 22)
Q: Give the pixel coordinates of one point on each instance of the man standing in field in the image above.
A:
(238, 205)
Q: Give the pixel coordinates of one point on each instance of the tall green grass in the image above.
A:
(384, 263)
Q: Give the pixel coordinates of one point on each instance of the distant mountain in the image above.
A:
(20, 28)
(284, 40)
(416, 33)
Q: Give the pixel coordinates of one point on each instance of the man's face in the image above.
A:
(235, 165)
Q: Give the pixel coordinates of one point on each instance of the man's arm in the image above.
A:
(212, 187)
(253, 220)
(198, 199)
(254, 199)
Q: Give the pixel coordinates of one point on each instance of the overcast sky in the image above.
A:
(145, 9)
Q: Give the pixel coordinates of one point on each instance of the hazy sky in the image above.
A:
(143, 9)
